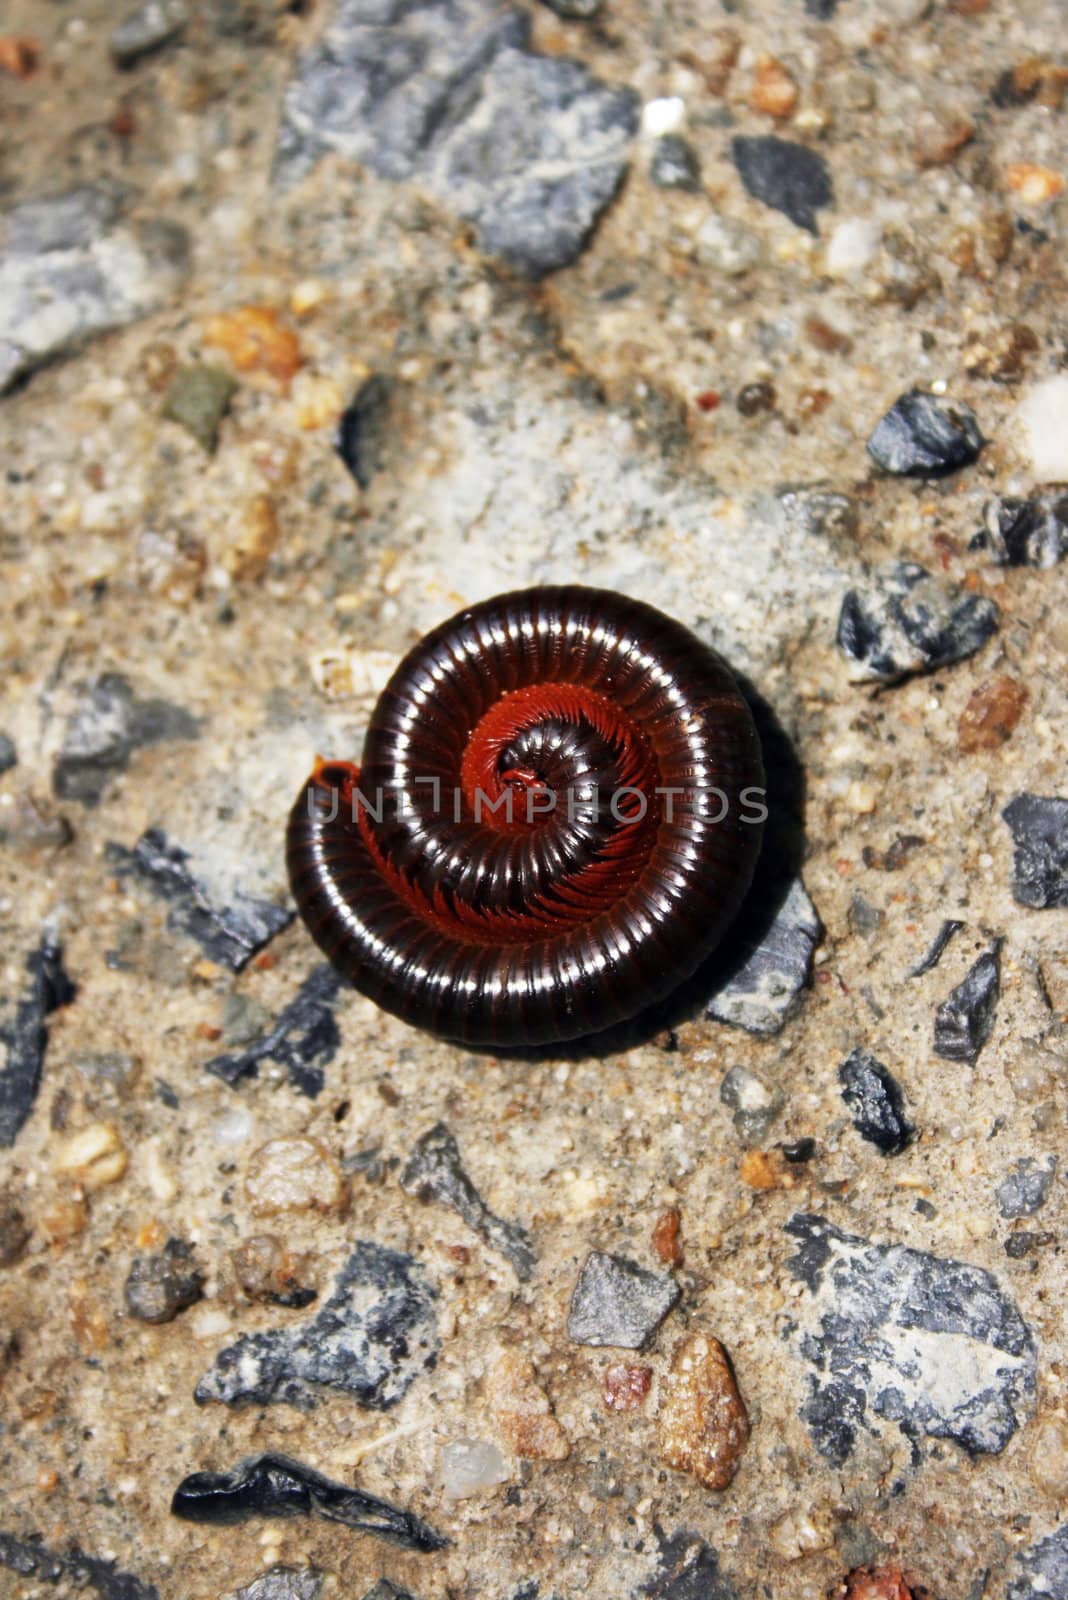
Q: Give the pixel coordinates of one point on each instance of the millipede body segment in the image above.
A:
(558, 813)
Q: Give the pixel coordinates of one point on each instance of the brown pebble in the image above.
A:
(877, 1583)
(939, 136)
(14, 1232)
(1034, 184)
(666, 1241)
(66, 1219)
(1049, 1456)
(774, 90)
(267, 1270)
(256, 341)
(760, 1171)
(991, 714)
(703, 1422)
(19, 55)
(625, 1388)
(256, 537)
(716, 57)
(522, 1410)
(1037, 78)
(88, 1320)
(824, 337)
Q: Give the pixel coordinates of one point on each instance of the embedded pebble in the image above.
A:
(971, 1380)
(297, 1174)
(789, 177)
(616, 1302)
(149, 28)
(1039, 828)
(362, 431)
(926, 436)
(1043, 416)
(965, 1019)
(875, 1103)
(471, 1466)
(8, 755)
(1025, 1189)
(770, 966)
(1044, 1566)
(71, 269)
(372, 1338)
(106, 727)
(14, 1231)
(755, 1106)
(674, 165)
(991, 714)
(1048, 1458)
(24, 1033)
(266, 1270)
(94, 1156)
(158, 1287)
(274, 1485)
(283, 1583)
(522, 1411)
(728, 246)
(851, 247)
(905, 621)
(703, 1423)
(626, 1387)
(434, 1172)
(800, 1532)
(1025, 533)
(198, 399)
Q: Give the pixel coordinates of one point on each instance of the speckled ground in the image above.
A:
(584, 427)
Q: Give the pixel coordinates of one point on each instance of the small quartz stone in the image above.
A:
(266, 1270)
(992, 712)
(1043, 415)
(703, 1423)
(1039, 827)
(926, 436)
(728, 246)
(522, 1411)
(618, 1303)
(471, 1466)
(755, 1106)
(294, 1175)
(160, 1286)
(875, 1102)
(964, 1021)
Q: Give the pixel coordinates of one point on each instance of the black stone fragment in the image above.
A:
(574, 10)
(1020, 1244)
(230, 934)
(1039, 827)
(434, 1172)
(304, 1038)
(936, 949)
(965, 1019)
(687, 1569)
(789, 177)
(273, 1485)
(105, 730)
(1025, 533)
(8, 754)
(615, 1302)
(926, 436)
(933, 1345)
(72, 1568)
(821, 10)
(1025, 1189)
(874, 1100)
(384, 1589)
(675, 165)
(159, 1286)
(372, 1339)
(800, 1151)
(24, 1034)
(905, 622)
(14, 1231)
(1045, 1569)
(361, 432)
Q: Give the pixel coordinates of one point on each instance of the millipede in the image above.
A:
(557, 816)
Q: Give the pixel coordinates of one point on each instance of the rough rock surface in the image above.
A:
(527, 148)
(897, 1334)
(905, 621)
(372, 1338)
(767, 979)
(70, 268)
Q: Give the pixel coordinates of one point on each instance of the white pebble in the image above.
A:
(1043, 412)
(469, 1466)
(851, 247)
(663, 116)
(233, 1127)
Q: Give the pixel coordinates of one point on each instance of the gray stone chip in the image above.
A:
(1025, 1189)
(765, 989)
(618, 1303)
(149, 28)
(434, 1171)
(1045, 1569)
(1039, 827)
(528, 148)
(933, 1345)
(926, 436)
(70, 268)
(108, 724)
